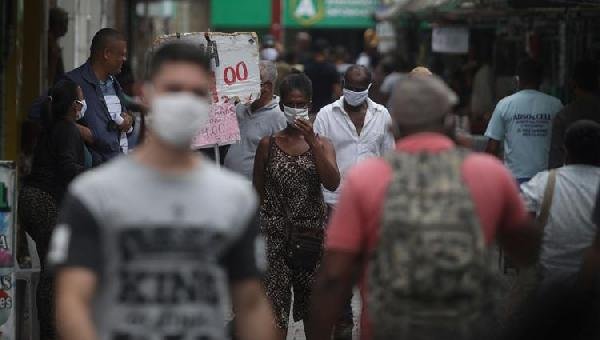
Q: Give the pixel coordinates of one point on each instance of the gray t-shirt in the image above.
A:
(254, 126)
(164, 247)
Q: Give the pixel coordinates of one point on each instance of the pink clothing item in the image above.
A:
(356, 221)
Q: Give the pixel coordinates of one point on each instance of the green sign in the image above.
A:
(329, 13)
(240, 14)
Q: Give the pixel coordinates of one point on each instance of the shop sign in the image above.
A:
(329, 13)
(450, 40)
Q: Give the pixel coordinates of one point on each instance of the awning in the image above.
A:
(419, 6)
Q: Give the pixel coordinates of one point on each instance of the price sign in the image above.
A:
(236, 78)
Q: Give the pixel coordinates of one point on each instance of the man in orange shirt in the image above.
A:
(419, 108)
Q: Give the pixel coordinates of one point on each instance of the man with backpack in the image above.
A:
(416, 229)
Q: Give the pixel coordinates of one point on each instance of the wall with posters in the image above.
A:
(7, 269)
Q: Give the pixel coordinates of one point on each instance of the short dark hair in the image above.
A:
(582, 142)
(102, 38)
(320, 46)
(57, 16)
(585, 75)
(358, 68)
(61, 96)
(530, 72)
(296, 81)
(178, 51)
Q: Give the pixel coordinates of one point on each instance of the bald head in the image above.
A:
(418, 102)
(420, 71)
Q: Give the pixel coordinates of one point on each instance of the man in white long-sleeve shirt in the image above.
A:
(357, 126)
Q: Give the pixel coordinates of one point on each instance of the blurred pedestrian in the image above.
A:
(58, 159)
(416, 229)
(340, 59)
(136, 255)
(483, 96)
(359, 128)
(523, 122)
(563, 199)
(393, 70)
(107, 117)
(58, 26)
(324, 76)
(290, 168)
(261, 118)
(302, 48)
(268, 51)
(285, 66)
(585, 106)
(370, 55)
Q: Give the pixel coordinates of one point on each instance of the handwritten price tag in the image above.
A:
(234, 60)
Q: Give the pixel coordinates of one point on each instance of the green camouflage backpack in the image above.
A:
(431, 275)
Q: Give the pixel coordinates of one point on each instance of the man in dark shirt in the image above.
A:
(585, 106)
(324, 77)
(106, 116)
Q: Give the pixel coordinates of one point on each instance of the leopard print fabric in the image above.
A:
(292, 199)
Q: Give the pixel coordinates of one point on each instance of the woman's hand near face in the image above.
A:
(306, 127)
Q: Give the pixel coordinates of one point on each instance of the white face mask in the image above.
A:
(81, 113)
(291, 114)
(356, 98)
(176, 118)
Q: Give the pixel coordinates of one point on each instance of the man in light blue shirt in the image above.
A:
(523, 122)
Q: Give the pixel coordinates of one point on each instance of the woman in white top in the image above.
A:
(569, 229)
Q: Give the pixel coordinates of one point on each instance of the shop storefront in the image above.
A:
(557, 33)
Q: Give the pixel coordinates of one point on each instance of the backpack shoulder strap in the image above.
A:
(548, 197)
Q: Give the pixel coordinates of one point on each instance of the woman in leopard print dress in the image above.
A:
(289, 169)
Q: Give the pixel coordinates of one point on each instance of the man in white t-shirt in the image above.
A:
(569, 230)
(523, 122)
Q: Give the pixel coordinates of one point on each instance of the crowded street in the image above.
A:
(299, 169)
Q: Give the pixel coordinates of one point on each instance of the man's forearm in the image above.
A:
(73, 320)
